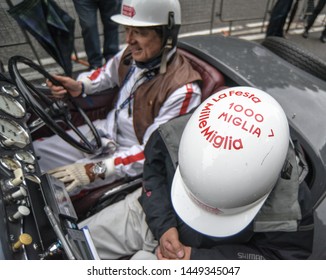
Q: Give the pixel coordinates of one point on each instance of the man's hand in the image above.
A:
(76, 175)
(109, 146)
(68, 85)
(170, 247)
(187, 254)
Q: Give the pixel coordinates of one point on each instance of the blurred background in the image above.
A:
(247, 19)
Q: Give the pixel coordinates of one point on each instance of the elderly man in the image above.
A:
(156, 84)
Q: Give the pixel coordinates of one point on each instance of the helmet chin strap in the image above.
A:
(166, 49)
(169, 42)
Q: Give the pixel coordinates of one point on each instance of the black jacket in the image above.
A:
(160, 216)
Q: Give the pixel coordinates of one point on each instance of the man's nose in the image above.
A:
(129, 37)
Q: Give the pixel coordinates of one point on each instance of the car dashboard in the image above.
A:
(38, 220)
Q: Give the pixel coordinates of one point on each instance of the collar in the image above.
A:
(156, 61)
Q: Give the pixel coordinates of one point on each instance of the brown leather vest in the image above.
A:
(150, 96)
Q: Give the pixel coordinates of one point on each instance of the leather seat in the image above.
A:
(213, 80)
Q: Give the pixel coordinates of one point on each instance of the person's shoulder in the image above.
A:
(178, 119)
(175, 126)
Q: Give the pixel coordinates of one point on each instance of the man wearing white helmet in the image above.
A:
(220, 183)
(156, 84)
(231, 188)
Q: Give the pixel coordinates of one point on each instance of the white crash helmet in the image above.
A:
(231, 154)
(142, 13)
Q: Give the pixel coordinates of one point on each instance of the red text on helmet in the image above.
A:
(128, 11)
(204, 115)
(212, 136)
(218, 141)
(249, 95)
(236, 121)
(248, 112)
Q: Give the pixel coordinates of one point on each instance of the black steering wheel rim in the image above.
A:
(25, 88)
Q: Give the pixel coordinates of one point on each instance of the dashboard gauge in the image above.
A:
(25, 157)
(9, 163)
(11, 106)
(12, 134)
(11, 90)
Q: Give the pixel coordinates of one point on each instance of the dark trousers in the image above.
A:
(278, 17)
(311, 19)
(87, 12)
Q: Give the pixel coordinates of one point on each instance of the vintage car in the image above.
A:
(38, 218)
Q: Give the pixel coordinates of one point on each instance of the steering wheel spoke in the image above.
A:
(53, 111)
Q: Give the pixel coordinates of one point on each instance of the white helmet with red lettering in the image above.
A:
(231, 154)
(142, 13)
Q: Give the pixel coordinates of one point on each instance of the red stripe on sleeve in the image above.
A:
(187, 99)
(129, 159)
(95, 74)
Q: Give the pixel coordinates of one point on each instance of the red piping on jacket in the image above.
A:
(186, 102)
(129, 159)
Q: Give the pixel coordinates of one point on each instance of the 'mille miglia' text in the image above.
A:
(249, 125)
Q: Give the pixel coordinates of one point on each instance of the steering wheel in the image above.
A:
(53, 111)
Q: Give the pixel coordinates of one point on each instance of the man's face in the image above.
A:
(144, 43)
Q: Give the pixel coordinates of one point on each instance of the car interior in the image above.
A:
(39, 219)
(38, 216)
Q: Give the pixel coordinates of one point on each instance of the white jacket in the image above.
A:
(128, 159)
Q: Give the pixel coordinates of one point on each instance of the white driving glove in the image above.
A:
(74, 176)
(77, 175)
